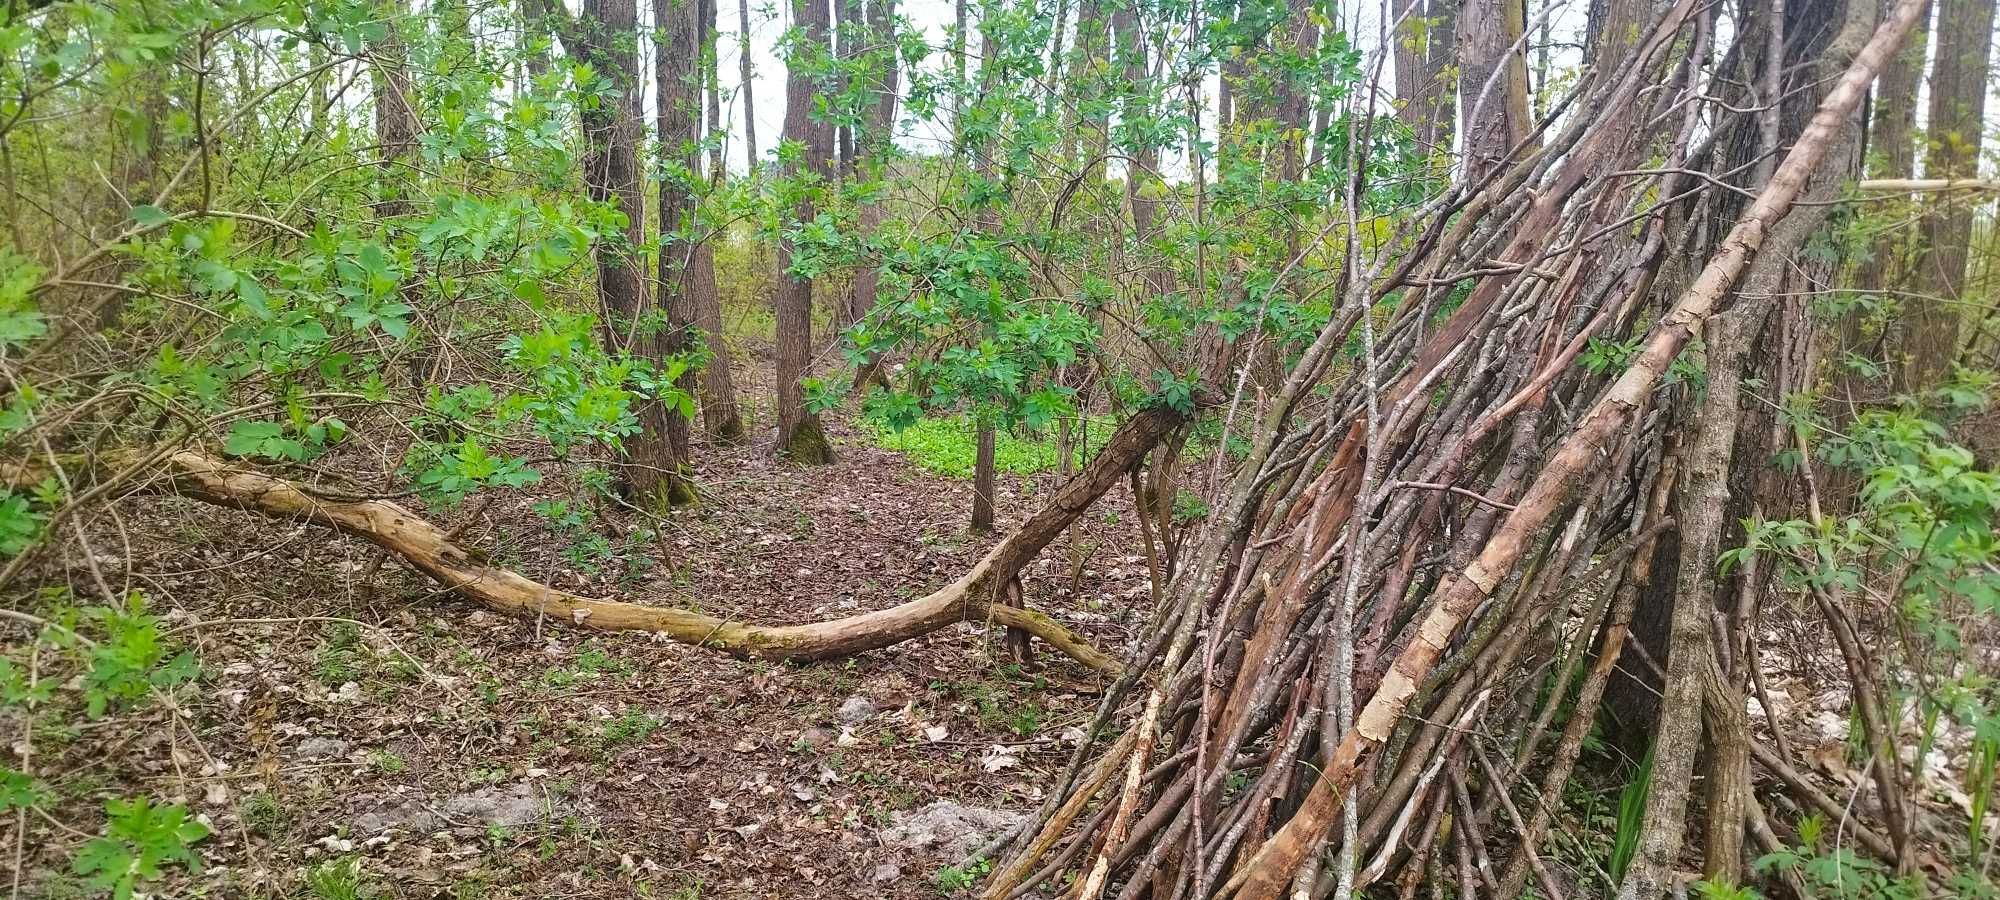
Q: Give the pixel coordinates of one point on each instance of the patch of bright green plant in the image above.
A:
(952, 879)
(948, 445)
(631, 728)
(1712, 890)
(1189, 507)
(140, 840)
(262, 813)
(1840, 872)
(592, 662)
(1631, 818)
(387, 762)
(340, 879)
(337, 661)
(132, 659)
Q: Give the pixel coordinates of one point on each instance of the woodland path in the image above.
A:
(658, 767)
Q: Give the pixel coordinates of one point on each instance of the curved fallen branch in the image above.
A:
(425, 547)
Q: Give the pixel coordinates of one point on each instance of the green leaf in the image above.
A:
(20, 524)
(248, 438)
(253, 296)
(17, 790)
(21, 326)
(150, 216)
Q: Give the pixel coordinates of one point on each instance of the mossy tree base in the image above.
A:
(729, 432)
(807, 444)
(658, 491)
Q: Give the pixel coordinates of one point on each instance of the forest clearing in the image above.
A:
(1180, 449)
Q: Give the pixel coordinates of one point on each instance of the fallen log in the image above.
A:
(975, 596)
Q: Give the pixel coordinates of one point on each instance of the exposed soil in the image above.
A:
(348, 709)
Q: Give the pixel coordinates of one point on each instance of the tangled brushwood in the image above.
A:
(1343, 670)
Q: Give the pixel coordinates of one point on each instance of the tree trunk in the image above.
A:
(1957, 122)
(711, 84)
(395, 113)
(1493, 86)
(535, 36)
(1144, 158)
(719, 415)
(1426, 51)
(959, 38)
(877, 148)
(605, 35)
(1441, 94)
(744, 82)
(1690, 654)
(982, 481)
(1412, 36)
(800, 435)
(849, 39)
(1892, 153)
(1294, 107)
(679, 26)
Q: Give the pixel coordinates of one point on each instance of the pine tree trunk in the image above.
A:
(800, 435)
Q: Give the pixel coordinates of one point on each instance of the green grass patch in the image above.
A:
(947, 446)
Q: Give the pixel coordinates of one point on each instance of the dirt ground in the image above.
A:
(350, 709)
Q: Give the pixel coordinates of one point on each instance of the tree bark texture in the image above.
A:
(679, 30)
(1957, 123)
(719, 415)
(801, 437)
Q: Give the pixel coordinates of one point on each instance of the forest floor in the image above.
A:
(351, 710)
(357, 731)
